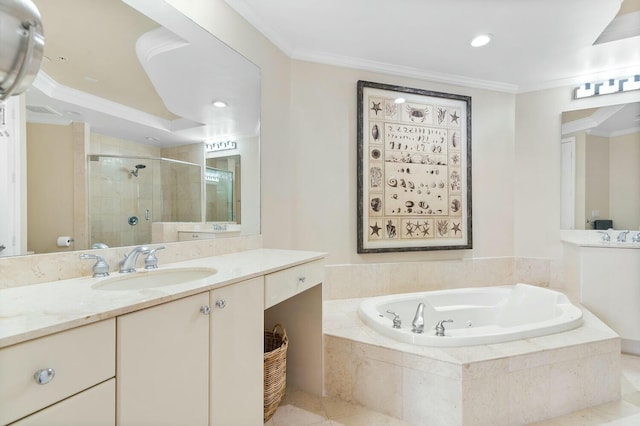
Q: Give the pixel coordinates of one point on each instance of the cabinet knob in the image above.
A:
(301, 280)
(221, 303)
(44, 376)
(206, 309)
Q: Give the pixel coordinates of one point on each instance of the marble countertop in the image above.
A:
(41, 309)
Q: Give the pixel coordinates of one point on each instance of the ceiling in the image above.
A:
(536, 44)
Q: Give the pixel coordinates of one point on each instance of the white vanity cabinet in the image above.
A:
(193, 361)
(163, 364)
(237, 335)
(68, 363)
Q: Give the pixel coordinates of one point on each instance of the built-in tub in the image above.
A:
(480, 315)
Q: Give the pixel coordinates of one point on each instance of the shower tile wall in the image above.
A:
(181, 193)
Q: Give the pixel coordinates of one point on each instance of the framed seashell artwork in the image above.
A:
(414, 169)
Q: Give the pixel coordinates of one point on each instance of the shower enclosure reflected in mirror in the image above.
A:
(222, 188)
(600, 168)
(128, 194)
(99, 97)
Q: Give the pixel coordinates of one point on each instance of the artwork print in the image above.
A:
(414, 169)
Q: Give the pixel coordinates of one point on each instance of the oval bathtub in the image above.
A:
(480, 315)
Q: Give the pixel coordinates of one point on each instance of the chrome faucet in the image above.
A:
(440, 328)
(622, 236)
(418, 319)
(128, 264)
(636, 237)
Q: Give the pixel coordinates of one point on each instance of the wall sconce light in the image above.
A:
(219, 146)
(613, 85)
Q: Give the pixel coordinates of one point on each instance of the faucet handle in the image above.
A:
(151, 261)
(101, 267)
(622, 236)
(397, 323)
(605, 235)
(636, 237)
(440, 327)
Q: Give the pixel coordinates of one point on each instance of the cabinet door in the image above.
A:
(163, 364)
(95, 407)
(237, 336)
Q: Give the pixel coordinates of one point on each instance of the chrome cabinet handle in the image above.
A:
(206, 309)
(44, 376)
(301, 280)
(221, 303)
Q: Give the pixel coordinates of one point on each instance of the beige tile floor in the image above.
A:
(302, 409)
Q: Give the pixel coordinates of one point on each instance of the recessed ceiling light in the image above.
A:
(152, 139)
(481, 40)
(219, 104)
(400, 100)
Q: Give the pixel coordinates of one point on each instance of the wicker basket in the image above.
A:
(275, 369)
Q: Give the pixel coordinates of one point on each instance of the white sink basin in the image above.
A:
(155, 278)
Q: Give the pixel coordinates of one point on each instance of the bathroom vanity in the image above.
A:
(82, 351)
(605, 276)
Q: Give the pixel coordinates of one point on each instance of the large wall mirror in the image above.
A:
(600, 168)
(130, 96)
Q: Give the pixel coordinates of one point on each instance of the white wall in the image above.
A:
(323, 131)
(308, 141)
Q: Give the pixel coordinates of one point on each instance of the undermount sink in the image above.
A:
(154, 278)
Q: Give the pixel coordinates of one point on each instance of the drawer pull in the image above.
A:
(44, 376)
(206, 309)
(301, 280)
(221, 303)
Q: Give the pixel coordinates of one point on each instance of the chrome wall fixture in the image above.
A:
(613, 85)
(22, 46)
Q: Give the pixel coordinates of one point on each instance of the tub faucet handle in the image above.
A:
(636, 237)
(397, 323)
(440, 327)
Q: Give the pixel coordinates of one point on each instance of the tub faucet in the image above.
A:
(622, 236)
(418, 319)
(440, 328)
(128, 264)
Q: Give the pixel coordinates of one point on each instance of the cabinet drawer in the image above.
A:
(95, 407)
(80, 358)
(282, 285)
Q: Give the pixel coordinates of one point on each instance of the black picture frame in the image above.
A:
(414, 169)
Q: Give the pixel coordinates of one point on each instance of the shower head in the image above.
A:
(137, 168)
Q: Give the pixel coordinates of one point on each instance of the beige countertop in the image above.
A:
(37, 310)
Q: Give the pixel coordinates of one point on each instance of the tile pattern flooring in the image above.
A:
(301, 409)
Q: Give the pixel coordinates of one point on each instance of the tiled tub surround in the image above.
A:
(510, 383)
(378, 279)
